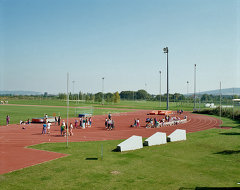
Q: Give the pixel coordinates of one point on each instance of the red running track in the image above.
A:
(14, 139)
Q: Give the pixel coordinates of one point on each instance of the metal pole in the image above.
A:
(195, 86)
(167, 84)
(233, 104)
(165, 50)
(160, 89)
(67, 106)
(220, 108)
(199, 99)
(187, 90)
(102, 90)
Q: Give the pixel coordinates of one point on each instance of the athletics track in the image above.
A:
(13, 139)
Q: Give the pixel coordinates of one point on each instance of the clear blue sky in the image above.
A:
(121, 40)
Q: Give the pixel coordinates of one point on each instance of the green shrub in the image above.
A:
(225, 112)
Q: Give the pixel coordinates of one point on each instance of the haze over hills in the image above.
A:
(225, 91)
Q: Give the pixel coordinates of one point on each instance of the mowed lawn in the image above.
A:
(38, 108)
(18, 112)
(208, 158)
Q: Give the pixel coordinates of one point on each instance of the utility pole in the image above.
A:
(67, 107)
(220, 108)
(187, 90)
(160, 89)
(195, 86)
(103, 91)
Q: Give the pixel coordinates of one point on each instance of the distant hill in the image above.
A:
(226, 91)
(19, 93)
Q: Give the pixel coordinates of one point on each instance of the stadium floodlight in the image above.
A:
(187, 87)
(165, 50)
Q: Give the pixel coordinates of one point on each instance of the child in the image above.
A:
(71, 129)
(44, 128)
(48, 128)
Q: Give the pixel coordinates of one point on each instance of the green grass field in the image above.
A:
(208, 158)
(19, 112)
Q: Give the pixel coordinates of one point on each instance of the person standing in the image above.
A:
(44, 128)
(90, 121)
(109, 116)
(138, 123)
(59, 120)
(76, 122)
(106, 123)
(71, 129)
(56, 120)
(48, 127)
(8, 119)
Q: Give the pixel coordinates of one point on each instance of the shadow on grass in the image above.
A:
(232, 133)
(91, 159)
(228, 152)
(116, 150)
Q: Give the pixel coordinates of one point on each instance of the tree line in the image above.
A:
(129, 95)
(144, 95)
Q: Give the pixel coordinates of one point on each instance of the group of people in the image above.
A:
(109, 123)
(153, 123)
(65, 130)
(180, 111)
(136, 123)
(46, 128)
(84, 122)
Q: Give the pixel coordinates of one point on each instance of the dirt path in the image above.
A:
(14, 139)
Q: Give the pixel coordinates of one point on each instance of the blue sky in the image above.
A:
(121, 40)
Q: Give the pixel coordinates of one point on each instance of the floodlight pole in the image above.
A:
(67, 106)
(233, 104)
(195, 86)
(187, 89)
(165, 50)
(102, 90)
(160, 89)
(220, 108)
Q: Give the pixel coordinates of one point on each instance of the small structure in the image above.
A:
(85, 115)
(160, 112)
(208, 105)
(156, 139)
(177, 135)
(132, 143)
(42, 119)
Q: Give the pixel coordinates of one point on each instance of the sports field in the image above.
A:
(209, 158)
(22, 109)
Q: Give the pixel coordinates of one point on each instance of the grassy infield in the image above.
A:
(207, 159)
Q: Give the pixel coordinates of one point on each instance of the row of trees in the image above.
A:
(143, 95)
(130, 95)
(89, 97)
